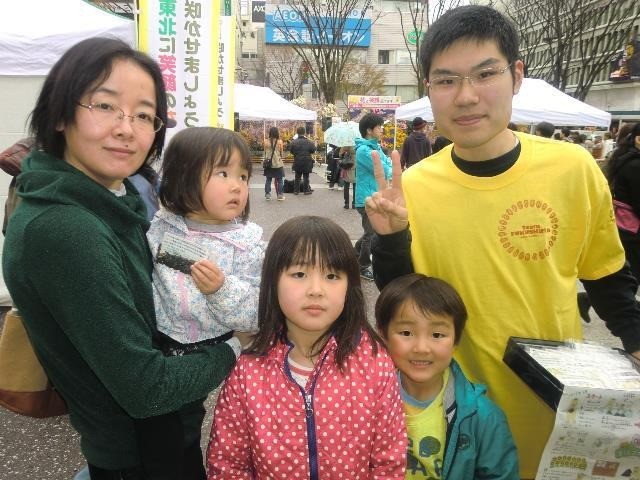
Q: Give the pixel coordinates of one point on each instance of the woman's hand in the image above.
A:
(207, 276)
(386, 208)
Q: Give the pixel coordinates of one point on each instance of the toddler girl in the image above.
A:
(205, 195)
(315, 396)
(206, 275)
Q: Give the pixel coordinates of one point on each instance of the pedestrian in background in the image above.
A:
(416, 146)
(333, 170)
(274, 169)
(371, 130)
(545, 129)
(348, 174)
(439, 143)
(623, 173)
(302, 149)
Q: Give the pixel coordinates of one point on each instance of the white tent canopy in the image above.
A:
(262, 103)
(537, 101)
(35, 33)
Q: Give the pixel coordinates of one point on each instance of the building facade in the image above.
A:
(602, 38)
(261, 62)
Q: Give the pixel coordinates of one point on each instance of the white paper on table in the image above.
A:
(596, 436)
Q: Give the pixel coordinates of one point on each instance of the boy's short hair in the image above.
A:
(469, 22)
(301, 131)
(369, 121)
(546, 129)
(430, 295)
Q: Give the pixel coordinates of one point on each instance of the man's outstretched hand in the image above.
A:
(386, 208)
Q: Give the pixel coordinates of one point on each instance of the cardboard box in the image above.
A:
(541, 381)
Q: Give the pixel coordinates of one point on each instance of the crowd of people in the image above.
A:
(137, 312)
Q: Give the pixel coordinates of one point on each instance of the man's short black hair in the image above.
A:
(469, 22)
(301, 131)
(369, 121)
(545, 129)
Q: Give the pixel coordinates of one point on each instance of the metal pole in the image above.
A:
(135, 23)
(395, 129)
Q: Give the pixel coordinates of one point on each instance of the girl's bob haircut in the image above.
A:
(188, 162)
(311, 240)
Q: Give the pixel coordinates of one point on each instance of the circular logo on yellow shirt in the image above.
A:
(528, 229)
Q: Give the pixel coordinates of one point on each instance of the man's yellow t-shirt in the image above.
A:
(513, 246)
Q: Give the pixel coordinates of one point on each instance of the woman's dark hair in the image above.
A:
(430, 295)
(274, 135)
(439, 143)
(310, 240)
(369, 121)
(469, 22)
(82, 69)
(620, 156)
(188, 162)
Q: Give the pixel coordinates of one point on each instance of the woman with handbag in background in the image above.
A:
(623, 173)
(273, 164)
(347, 167)
(78, 268)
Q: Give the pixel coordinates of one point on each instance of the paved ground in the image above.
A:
(49, 449)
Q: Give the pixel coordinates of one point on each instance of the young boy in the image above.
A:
(454, 430)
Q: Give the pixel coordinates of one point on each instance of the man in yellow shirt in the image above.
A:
(512, 221)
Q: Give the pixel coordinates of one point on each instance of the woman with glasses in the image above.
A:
(78, 268)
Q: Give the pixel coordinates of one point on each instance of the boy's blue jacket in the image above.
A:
(479, 443)
(365, 179)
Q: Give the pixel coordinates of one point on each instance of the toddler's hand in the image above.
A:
(207, 276)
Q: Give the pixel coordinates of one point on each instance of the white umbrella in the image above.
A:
(342, 134)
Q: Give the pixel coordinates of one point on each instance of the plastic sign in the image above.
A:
(413, 36)
(285, 26)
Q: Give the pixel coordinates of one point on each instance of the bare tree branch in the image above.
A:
(361, 79)
(330, 43)
(124, 8)
(285, 70)
(571, 42)
(413, 25)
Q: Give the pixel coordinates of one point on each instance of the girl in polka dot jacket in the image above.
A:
(315, 397)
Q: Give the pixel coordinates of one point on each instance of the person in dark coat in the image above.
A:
(302, 148)
(333, 159)
(623, 174)
(416, 146)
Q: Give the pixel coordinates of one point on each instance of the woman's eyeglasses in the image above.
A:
(107, 113)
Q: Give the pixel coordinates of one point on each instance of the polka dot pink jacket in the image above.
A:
(343, 426)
